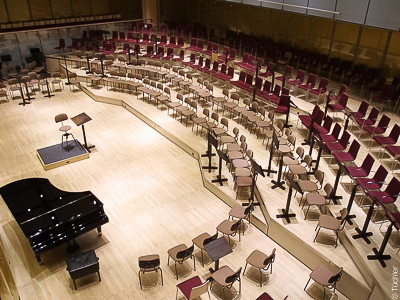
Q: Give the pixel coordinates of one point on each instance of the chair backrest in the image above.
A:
(285, 91)
(284, 101)
(335, 277)
(210, 239)
(328, 122)
(388, 90)
(311, 80)
(367, 163)
(277, 90)
(342, 90)
(149, 265)
(234, 277)
(61, 117)
(384, 122)
(344, 139)
(300, 75)
(231, 71)
(354, 148)
(235, 96)
(395, 132)
(197, 291)
(267, 86)
(343, 100)
(320, 116)
(393, 188)
(223, 69)
(319, 175)
(270, 259)
(288, 70)
(373, 115)
(362, 109)
(242, 76)
(380, 174)
(235, 226)
(328, 190)
(380, 84)
(323, 84)
(185, 253)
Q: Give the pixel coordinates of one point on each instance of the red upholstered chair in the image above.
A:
(287, 74)
(374, 183)
(364, 169)
(193, 45)
(370, 120)
(361, 112)
(283, 105)
(296, 82)
(266, 88)
(180, 58)
(306, 119)
(380, 128)
(269, 71)
(145, 39)
(193, 288)
(377, 88)
(334, 136)
(389, 195)
(150, 50)
(326, 128)
(191, 61)
(341, 144)
(312, 78)
(342, 90)
(61, 45)
(385, 95)
(320, 90)
(163, 41)
(170, 54)
(341, 105)
(160, 53)
(351, 155)
(275, 96)
(172, 42)
(180, 42)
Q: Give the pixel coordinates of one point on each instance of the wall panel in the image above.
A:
(322, 4)
(3, 13)
(18, 10)
(81, 8)
(100, 7)
(61, 8)
(296, 9)
(352, 10)
(40, 9)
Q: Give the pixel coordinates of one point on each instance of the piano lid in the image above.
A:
(39, 206)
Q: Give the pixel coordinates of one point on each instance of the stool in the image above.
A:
(83, 264)
(65, 129)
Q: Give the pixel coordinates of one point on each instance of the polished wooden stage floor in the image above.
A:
(154, 195)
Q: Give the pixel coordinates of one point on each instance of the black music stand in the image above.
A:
(322, 147)
(327, 101)
(271, 154)
(256, 64)
(222, 156)
(129, 55)
(341, 169)
(101, 56)
(273, 77)
(88, 63)
(216, 250)
(278, 182)
(210, 139)
(285, 212)
(307, 141)
(24, 101)
(362, 233)
(46, 76)
(346, 123)
(81, 119)
(394, 219)
(137, 36)
(66, 67)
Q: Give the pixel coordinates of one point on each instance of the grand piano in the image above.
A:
(49, 216)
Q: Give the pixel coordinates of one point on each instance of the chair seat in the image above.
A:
(233, 148)
(65, 128)
(198, 241)
(238, 210)
(383, 196)
(264, 296)
(256, 259)
(384, 140)
(230, 105)
(297, 169)
(315, 199)
(235, 154)
(336, 107)
(219, 131)
(374, 130)
(162, 98)
(288, 161)
(357, 172)
(227, 139)
(240, 163)
(221, 274)
(244, 181)
(329, 222)
(321, 274)
(173, 251)
(187, 286)
(307, 186)
(343, 156)
(199, 120)
(368, 183)
(393, 150)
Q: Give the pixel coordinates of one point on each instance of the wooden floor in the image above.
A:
(135, 163)
(152, 192)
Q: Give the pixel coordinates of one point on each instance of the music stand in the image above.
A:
(285, 211)
(211, 139)
(222, 156)
(137, 36)
(394, 219)
(88, 63)
(101, 57)
(271, 153)
(19, 80)
(129, 55)
(273, 77)
(284, 149)
(362, 233)
(310, 131)
(45, 76)
(336, 184)
(327, 101)
(81, 119)
(66, 68)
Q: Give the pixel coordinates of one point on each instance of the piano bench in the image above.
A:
(83, 264)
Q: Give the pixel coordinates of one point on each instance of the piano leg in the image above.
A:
(38, 258)
(99, 231)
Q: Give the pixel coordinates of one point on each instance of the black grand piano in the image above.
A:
(49, 216)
